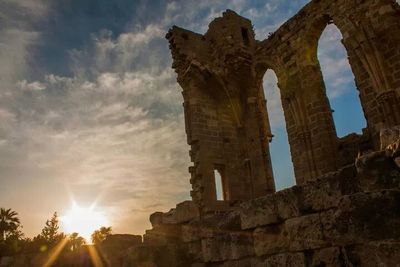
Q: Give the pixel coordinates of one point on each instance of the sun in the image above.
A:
(83, 220)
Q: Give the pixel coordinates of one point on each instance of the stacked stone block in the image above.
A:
(347, 218)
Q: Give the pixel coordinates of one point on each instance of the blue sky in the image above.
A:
(90, 110)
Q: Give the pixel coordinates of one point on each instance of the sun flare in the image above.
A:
(83, 220)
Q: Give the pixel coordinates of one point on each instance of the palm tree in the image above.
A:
(9, 222)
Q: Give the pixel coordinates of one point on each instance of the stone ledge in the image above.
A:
(162, 235)
(316, 196)
(359, 218)
(271, 209)
(184, 212)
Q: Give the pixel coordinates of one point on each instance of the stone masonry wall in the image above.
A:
(347, 218)
(226, 119)
(371, 35)
(221, 75)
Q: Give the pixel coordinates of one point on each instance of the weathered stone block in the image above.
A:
(162, 235)
(169, 217)
(271, 209)
(379, 253)
(221, 221)
(190, 232)
(378, 171)
(215, 249)
(227, 246)
(329, 257)
(258, 212)
(155, 239)
(195, 250)
(288, 203)
(156, 218)
(364, 217)
(326, 192)
(322, 194)
(270, 240)
(241, 245)
(305, 233)
(186, 211)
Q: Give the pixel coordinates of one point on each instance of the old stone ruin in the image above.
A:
(345, 208)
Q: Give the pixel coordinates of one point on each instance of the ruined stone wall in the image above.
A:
(226, 118)
(371, 35)
(221, 75)
(345, 219)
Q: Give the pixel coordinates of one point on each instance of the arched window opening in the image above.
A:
(339, 82)
(219, 185)
(279, 147)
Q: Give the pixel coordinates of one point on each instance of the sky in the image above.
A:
(90, 111)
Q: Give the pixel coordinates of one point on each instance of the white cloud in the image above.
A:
(334, 63)
(125, 50)
(273, 97)
(33, 86)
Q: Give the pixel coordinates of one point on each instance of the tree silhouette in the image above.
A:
(100, 235)
(11, 236)
(9, 223)
(50, 232)
(75, 241)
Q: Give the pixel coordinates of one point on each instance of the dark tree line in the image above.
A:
(13, 241)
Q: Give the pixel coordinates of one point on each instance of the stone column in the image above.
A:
(311, 130)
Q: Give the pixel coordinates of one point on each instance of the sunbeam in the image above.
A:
(83, 220)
